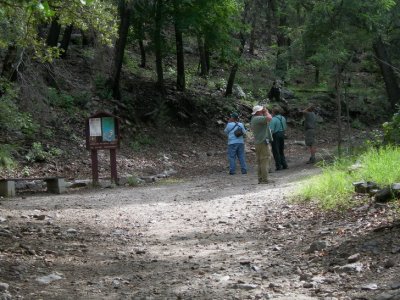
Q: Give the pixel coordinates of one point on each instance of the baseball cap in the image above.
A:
(256, 109)
(234, 115)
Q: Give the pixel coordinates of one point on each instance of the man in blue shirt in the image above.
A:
(278, 126)
(235, 144)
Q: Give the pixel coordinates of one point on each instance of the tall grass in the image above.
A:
(333, 188)
(381, 165)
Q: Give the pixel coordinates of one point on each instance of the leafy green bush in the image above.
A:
(38, 154)
(392, 130)
(60, 99)
(357, 124)
(375, 139)
(11, 118)
(82, 99)
(133, 180)
(140, 141)
(6, 158)
(103, 91)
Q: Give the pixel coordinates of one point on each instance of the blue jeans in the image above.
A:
(236, 150)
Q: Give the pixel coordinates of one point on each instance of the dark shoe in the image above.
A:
(265, 182)
(244, 173)
(278, 169)
(285, 167)
(311, 160)
(230, 173)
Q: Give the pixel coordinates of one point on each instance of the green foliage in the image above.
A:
(103, 90)
(392, 130)
(380, 165)
(375, 139)
(11, 118)
(60, 99)
(141, 141)
(38, 154)
(333, 188)
(220, 84)
(133, 180)
(253, 76)
(26, 172)
(357, 124)
(6, 157)
(20, 21)
(130, 63)
(82, 99)
(70, 103)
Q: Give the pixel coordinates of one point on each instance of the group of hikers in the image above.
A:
(269, 133)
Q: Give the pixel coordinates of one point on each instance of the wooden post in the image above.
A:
(113, 162)
(95, 167)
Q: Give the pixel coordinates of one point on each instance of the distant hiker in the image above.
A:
(278, 127)
(310, 123)
(236, 131)
(262, 137)
(275, 92)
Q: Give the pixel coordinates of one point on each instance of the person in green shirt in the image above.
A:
(278, 126)
(262, 137)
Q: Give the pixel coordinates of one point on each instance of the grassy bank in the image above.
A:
(333, 188)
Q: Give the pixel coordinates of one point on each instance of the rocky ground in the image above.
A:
(197, 235)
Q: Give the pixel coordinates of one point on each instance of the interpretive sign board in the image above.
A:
(102, 132)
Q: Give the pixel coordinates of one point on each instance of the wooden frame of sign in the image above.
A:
(102, 133)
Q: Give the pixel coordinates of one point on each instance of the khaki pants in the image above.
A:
(263, 156)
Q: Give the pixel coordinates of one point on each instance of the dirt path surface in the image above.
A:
(211, 237)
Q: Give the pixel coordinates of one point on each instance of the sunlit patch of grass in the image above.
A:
(333, 189)
(381, 165)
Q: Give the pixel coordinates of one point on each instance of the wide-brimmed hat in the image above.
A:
(234, 115)
(256, 109)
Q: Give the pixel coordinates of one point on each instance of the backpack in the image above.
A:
(238, 132)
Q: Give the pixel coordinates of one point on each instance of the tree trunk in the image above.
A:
(231, 80)
(348, 125)
(124, 12)
(88, 38)
(180, 60)
(207, 54)
(65, 40)
(235, 67)
(158, 46)
(54, 33)
(389, 77)
(202, 56)
(9, 71)
(282, 41)
(339, 110)
(252, 42)
(271, 11)
(316, 75)
(232, 75)
(141, 47)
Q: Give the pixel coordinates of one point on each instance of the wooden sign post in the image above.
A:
(102, 133)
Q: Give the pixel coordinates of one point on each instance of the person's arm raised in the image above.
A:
(267, 115)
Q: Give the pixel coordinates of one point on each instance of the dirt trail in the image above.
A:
(213, 237)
